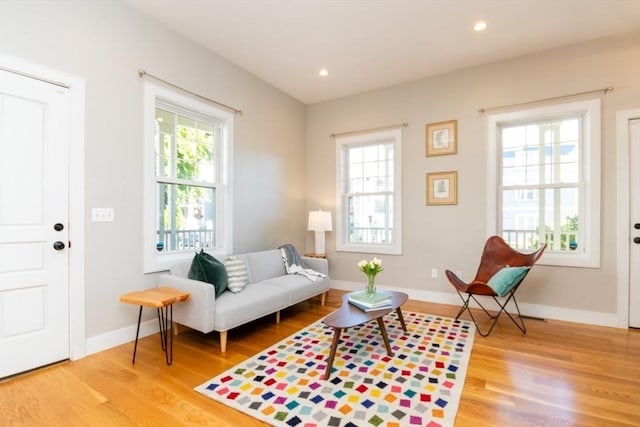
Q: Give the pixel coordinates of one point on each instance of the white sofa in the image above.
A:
(269, 289)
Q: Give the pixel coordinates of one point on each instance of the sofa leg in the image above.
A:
(176, 328)
(223, 341)
(278, 316)
(323, 299)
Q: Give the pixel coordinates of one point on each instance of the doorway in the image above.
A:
(41, 212)
(634, 205)
(628, 128)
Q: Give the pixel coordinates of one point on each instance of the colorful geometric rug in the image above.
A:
(419, 386)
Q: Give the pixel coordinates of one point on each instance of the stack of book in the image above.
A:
(366, 302)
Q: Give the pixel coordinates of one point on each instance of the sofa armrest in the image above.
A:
(198, 311)
(321, 265)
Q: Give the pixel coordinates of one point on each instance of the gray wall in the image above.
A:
(105, 43)
(452, 236)
(278, 178)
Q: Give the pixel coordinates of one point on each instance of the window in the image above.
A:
(369, 204)
(544, 173)
(187, 188)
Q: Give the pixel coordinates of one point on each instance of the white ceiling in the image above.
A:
(368, 44)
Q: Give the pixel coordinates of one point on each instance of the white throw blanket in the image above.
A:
(297, 269)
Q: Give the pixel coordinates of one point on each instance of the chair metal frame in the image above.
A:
(496, 255)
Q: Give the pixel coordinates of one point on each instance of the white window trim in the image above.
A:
(590, 258)
(155, 261)
(367, 138)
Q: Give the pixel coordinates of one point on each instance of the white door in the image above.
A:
(634, 214)
(34, 276)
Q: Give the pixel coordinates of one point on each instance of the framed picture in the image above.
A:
(442, 188)
(442, 138)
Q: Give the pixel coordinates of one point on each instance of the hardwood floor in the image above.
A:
(559, 374)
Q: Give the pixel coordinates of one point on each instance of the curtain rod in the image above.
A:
(33, 76)
(143, 73)
(604, 90)
(404, 124)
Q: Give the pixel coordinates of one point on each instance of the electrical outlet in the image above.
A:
(102, 214)
(434, 273)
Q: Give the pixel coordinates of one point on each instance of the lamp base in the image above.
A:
(319, 243)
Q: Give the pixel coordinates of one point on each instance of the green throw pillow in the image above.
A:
(505, 279)
(206, 268)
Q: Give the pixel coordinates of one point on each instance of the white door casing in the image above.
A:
(34, 277)
(634, 205)
(628, 194)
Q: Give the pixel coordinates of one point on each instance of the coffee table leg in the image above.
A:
(399, 313)
(384, 336)
(332, 354)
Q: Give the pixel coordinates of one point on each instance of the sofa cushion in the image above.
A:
(264, 264)
(298, 287)
(206, 268)
(236, 273)
(255, 301)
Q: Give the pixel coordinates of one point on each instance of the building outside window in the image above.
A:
(547, 181)
(369, 194)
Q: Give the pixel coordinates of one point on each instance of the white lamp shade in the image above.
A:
(319, 221)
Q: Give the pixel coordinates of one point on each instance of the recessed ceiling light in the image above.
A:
(480, 25)
(324, 72)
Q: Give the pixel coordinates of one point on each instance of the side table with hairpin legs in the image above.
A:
(162, 299)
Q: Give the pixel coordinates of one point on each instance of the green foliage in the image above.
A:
(570, 224)
(567, 238)
(192, 149)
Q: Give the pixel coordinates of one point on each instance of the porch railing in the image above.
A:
(370, 235)
(179, 240)
(559, 241)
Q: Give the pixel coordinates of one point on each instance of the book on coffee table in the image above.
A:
(366, 302)
(365, 298)
(368, 308)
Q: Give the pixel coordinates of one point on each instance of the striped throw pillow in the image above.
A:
(236, 273)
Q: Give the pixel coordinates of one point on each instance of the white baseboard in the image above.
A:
(532, 310)
(121, 336)
(150, 327)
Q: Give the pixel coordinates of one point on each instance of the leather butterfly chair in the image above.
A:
(496, 255)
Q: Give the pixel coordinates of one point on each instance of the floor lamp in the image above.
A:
(319, 222)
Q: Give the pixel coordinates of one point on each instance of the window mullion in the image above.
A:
(542, 196)
(188, 182)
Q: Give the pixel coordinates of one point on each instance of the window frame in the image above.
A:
(590, 183)
(159, 96)
(367, 139)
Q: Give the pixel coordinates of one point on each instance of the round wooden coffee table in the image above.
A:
(348, 316)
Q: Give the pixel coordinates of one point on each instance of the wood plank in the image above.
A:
(559, 373)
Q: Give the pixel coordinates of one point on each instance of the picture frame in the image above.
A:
(442, 188)
(442, 138)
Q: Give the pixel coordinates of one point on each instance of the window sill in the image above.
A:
(159, 262)
(582, 260)
(370, 249)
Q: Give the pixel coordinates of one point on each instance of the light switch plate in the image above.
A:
(102, 215)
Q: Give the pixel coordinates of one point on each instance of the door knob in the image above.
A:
(636, 240)
(58, 227)
(58, 246)
(636, 225)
